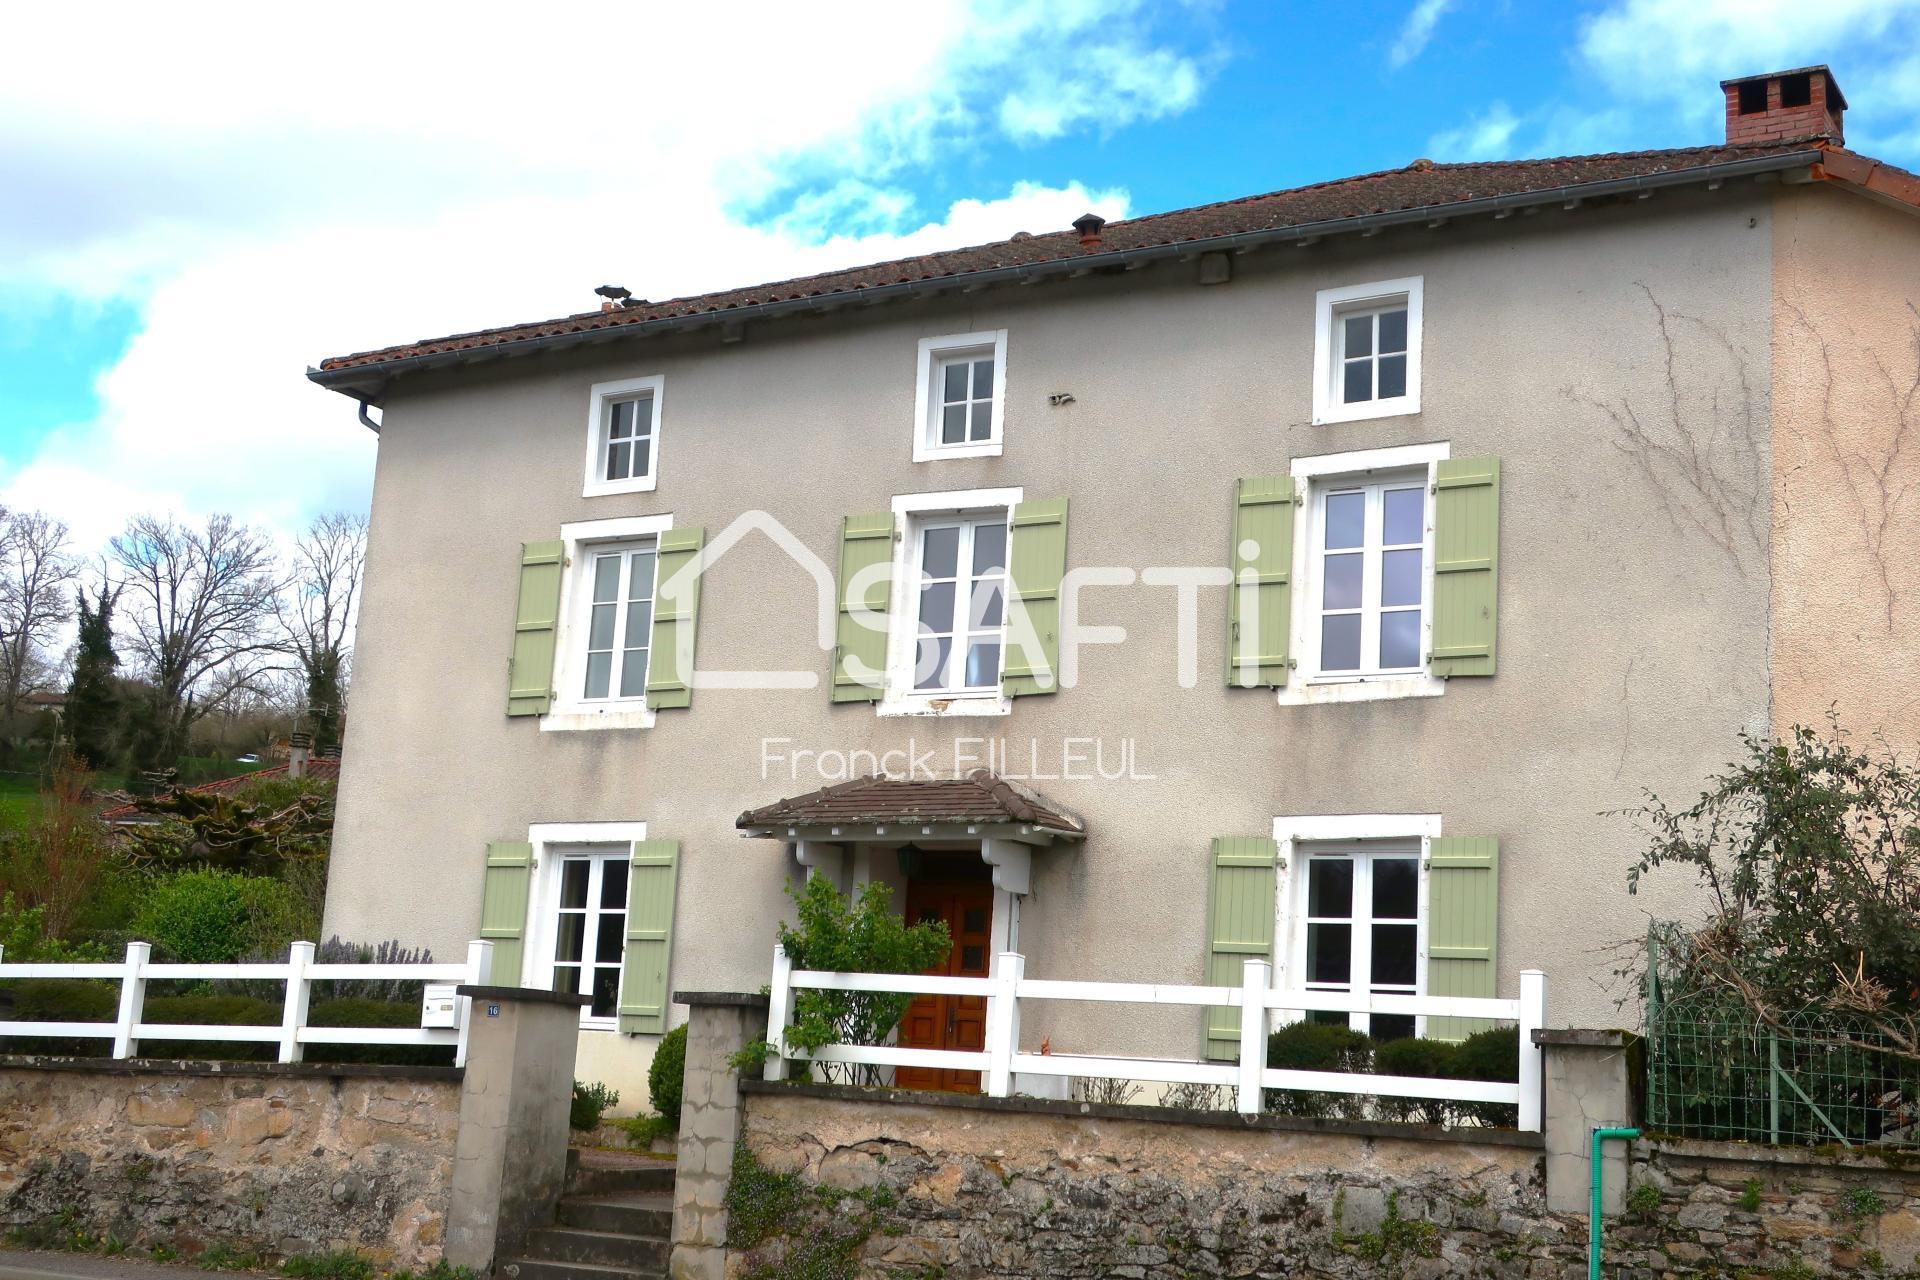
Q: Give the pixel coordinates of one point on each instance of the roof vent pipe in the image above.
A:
(1089, 225)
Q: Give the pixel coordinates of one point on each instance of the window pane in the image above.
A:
(1399, 576)
(982, 379)
(606, 992)
(983, 664)
(930, 669)
(640, 584)
(983, 420)
(573, 883)
(633, 673)
(1400, 639)
(954, 384)
(939, 552)
(1393, 377)
(1330, 887)
(1346, 519)
(642, 456)
(1396, 891)
(1340, 642)
(953, 424)
(613, 884)
(566, 980)
(936, 606)
(1343, 582)
(1393, 950)
(1359, 341)
(986, 604)
(600, 626)
(1392, 1026)
(606, 947)
(640, 621)
(620, 420)
(1406, 513)
(1359, 382)
(618, 456)
(1393, 331)
(1329, 953)
(606, 578)
(569, 933)
(599, 674)
(989, 548)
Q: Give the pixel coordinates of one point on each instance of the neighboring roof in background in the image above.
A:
(326, 769)
(45, 698)
(980, 797)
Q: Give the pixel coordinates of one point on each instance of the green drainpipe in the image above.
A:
(1596, 1178)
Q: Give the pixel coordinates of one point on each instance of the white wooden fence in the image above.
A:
(1254, 997)
(129, 1029)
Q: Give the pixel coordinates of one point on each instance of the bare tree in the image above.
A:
(200, 603)
(316, 612)
(36, 571)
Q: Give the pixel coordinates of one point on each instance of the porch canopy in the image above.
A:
(1006, 820)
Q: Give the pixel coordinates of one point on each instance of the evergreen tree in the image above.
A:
(93, 698)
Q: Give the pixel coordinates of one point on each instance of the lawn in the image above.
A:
(19, 798)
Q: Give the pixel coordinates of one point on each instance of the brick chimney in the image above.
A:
(299, 751)
(1802, 103)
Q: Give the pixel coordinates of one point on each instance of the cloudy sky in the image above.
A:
(197, 201)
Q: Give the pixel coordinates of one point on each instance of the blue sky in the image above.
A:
(207, 211)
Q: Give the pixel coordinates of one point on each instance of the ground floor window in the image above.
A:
(590, 926)
(1360, 929)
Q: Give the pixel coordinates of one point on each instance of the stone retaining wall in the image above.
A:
(282, 1159)
(1018, 1188)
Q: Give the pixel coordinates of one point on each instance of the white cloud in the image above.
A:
(1487, 136)
(1417, 31)
(274, 185)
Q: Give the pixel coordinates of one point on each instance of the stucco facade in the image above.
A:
(1619, 360)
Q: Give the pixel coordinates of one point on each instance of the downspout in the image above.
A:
(1597, 1175)
(365, 421)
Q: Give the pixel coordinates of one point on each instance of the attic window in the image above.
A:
(1796, 91)
(1753, 97)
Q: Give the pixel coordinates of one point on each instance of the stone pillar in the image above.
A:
(510, 1160)
(720, 1025)
(1588, 1087)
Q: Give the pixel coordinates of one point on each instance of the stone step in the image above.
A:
(544, 1269)
(634, 1215)
(596, 1182)
(596, 1248)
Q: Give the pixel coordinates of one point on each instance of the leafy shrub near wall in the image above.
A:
(666, 1078)
(1316, 1046)
(215, 917)
(590, 1102)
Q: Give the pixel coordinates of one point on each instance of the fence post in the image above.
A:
(1256, 976)
(133, 994)
(1003, 1024)
(1773, 1088)
(1533, 1017)
(294, 1015)
(779, 994)
(479, 968)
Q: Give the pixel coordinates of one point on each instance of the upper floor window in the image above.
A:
(1367, 351)
(962, 576)
(619, 622)
(623, 436)
(960, 398)
(1370, 552)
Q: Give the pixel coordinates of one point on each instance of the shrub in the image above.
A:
(215, 917)
(1436, 1059)
(667, 1075)
(1316, 1046)
(1493, 1054)
(589, 1101)
(25, 938)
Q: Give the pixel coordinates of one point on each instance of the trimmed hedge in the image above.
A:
(1313, 1046)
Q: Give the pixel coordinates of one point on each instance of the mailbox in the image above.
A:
(442, 1006)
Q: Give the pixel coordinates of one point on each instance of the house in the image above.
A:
(1313, 574)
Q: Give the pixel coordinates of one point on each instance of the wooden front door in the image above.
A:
(950, 1022)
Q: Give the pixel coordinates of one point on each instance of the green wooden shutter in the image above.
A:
(865, 541)
(503, 907)
(1240, 906)
(676, 608)
(651, 878)
(1466, 566)
(1036, 564)
(1463, 926)
(530, 669)
(1262, 561)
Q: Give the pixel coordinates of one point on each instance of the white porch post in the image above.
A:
(779, 996)
(1256, 978)
(822, 859)
(479, 969)
(133, 995)
(1533, 1017)
(1003, 1024)
(294, 1014)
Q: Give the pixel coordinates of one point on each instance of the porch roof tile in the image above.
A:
(979, 797)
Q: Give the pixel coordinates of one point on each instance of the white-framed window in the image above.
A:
(1363, 562)
(946, 643)
(961, 396)
(623, 436)
(577, 913)
(605, 633)
(1352, 910)
(1366, 350)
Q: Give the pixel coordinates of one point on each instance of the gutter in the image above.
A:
(367, 381)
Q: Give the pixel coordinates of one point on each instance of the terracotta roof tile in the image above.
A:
(322, 768)
(979, 797)
(1420, 185)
